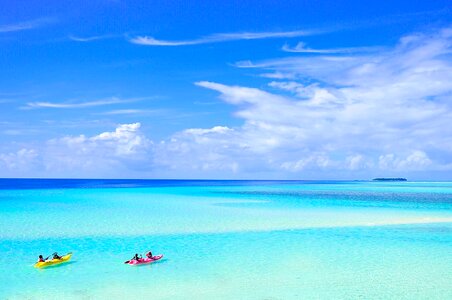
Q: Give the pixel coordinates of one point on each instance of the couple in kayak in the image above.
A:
(55, 256)
(139, 258)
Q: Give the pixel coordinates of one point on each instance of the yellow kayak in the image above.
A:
(51, 262)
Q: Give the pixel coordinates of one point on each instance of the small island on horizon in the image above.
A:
(389, 179)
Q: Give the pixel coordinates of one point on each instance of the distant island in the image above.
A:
(389, 179)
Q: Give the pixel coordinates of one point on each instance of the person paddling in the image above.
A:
(41, 259)
(56, 256)
(136, 257)
(149, 254)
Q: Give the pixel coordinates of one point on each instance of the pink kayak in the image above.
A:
(145, 260)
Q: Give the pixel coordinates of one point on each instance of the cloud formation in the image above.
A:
(301, 48)
(108, 154)
(222, 37)
(105, 154)
(26, 25)
(359, 115)
(383, 112)
(67, 105)
(91, 38)
(21, 161)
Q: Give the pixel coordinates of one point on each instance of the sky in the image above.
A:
(226, 89)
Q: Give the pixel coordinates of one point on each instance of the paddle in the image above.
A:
(127, 261)
(60, 257)
(56, 253)
(49, 256)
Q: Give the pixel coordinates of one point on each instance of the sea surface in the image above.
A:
(227, 239)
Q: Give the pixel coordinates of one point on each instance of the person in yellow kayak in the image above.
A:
(56, 256)
(41, 259)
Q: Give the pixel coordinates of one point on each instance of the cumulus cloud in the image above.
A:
(20, 161)
(203, 131)
(108, 154)
(416, 160)
(314, 161)
(199, 151)
(383, 111)
(358, 162)
(387, 112)
(109, 149)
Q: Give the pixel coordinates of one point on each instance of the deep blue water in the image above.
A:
(35, 183)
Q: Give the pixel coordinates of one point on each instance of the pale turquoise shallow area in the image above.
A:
(229, 240)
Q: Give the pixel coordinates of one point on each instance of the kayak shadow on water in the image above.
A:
(58, 265)
(152, 263)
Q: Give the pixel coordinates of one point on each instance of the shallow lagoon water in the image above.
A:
(227, 240)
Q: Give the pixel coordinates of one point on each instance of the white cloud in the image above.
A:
(278, 75)
(26, 25)
(313, 92)
(313, 161)
(101, 102)
(106, 154)
(22, 160)
(124, 141)
(346, 113)
(201, 131)
(222, 37)
(358, 162)
(199, 151)
(350, 114)
(416, 160)
(301, 48)
(91, 38)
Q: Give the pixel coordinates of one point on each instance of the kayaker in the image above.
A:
(41, 259)
(56, 256)
(149, 254)
(136, 257)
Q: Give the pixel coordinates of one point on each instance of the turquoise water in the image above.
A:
(227, 240)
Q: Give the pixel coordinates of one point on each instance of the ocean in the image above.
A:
(227, 239)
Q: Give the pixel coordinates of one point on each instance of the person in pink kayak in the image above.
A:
(149, 254)
(136, 257)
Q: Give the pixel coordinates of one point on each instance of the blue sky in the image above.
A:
(232, 89)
